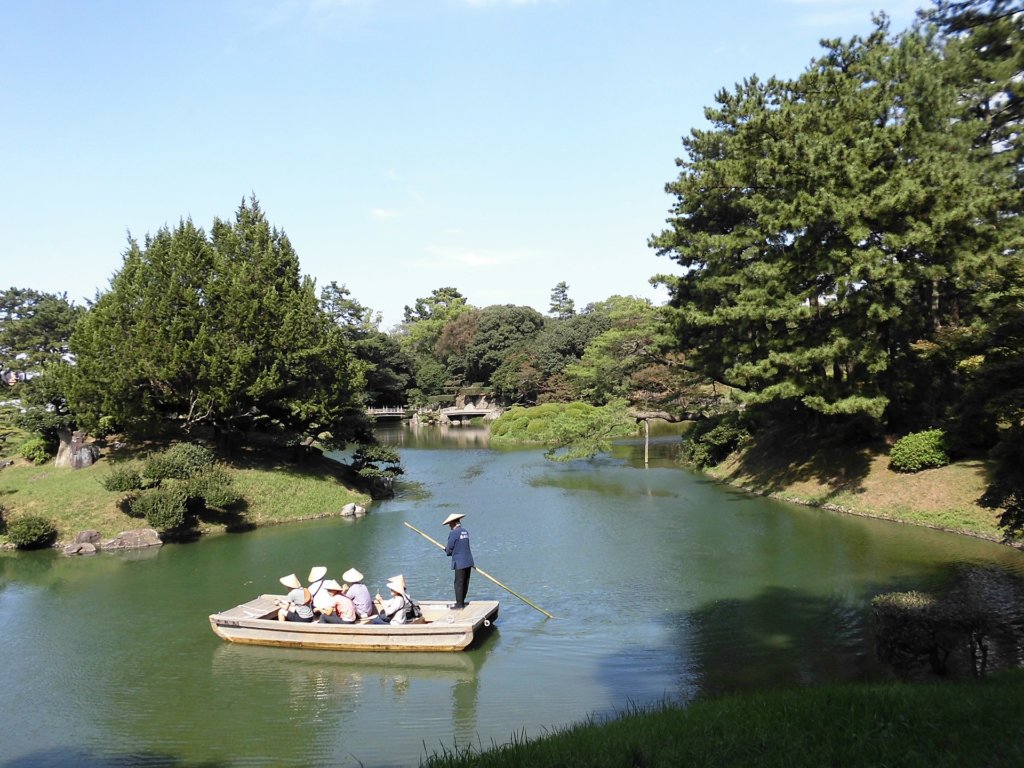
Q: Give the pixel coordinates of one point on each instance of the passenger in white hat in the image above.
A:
(298, 602)
(358, 593)
(395, 609)
(316, 587)
(339, 609)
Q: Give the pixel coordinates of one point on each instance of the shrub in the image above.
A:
(163, 507)
(31, 532)
(122, 479)
(919, 450)
(179, 462)
(127, 505)
(710, 443)
(35, 449)
(212, 486)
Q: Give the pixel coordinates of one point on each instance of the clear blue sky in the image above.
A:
(498, 146)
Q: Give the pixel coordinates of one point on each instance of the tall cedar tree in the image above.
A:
(831, 224)
(218, 331)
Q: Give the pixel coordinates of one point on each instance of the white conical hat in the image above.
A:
(397, 583)
(453, 517)
(352, 575)
(291, 581)
(332, 586)
(316, 573)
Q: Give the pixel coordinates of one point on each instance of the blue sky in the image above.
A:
(498, 146)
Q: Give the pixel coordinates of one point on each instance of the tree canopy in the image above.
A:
(220, 331)
(830, 225)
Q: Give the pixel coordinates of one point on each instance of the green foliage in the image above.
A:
(828, 225)
(219, 330)
(1006, 490)
(919, 450)
(374, 460)
(35, 328)
(122, 478)
(36, 449)
(500, 329)
(388, 368)
(562, 306)
(164, 507)
(419, 335)
(571, 430)
(31, 532)
(212, 486)
(710, 442)
(179, 462)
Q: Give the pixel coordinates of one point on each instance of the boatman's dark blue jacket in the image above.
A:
(458, 548)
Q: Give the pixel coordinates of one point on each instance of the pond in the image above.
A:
(664, 586)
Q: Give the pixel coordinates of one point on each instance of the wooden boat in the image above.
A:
(440, 629)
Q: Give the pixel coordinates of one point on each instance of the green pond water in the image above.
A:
(664, 585)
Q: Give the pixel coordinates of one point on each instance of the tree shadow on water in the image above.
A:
(784, 637)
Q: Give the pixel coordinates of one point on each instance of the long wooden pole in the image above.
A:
(482, 572)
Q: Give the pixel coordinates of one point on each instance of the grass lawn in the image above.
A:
(859, 481)
(273, 491)
(978, 723)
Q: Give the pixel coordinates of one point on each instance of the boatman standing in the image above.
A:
(462, 558)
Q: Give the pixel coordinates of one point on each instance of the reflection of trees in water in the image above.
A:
(781, 637)
(972, 626)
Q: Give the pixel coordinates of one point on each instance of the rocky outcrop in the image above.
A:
(137, 539)
(84, 548)
(353, 510)
(75, 451)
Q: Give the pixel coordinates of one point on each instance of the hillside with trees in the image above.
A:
(846, 250)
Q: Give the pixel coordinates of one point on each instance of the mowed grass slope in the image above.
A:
(272, 491)
(858, 480)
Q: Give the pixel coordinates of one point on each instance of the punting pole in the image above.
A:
(482, 572)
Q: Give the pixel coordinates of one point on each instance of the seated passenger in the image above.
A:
(359, 594)
(316, 587)
(396, 609)
(338, 609)
(298, 602)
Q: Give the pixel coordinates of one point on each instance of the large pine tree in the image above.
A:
(219, 331)
(833, 226)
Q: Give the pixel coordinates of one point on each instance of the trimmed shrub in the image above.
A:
(919, 450)
(212, 486)
(179, 462)
(122, 479)
(127, 504)
(709, 444)
(163, 507)
(31, 532)
(35, 450)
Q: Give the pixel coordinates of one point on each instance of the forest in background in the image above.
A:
(849, 245)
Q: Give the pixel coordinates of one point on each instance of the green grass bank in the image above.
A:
(273, 491)
(857, 480)
(977, 723)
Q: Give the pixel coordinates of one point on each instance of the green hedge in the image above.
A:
(179, 462)
(919, 450)
(31, 532)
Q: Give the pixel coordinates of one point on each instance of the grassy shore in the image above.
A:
(273, 491)
(858, 481)
(979, 723)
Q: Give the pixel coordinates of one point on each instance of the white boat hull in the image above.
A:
(443, 629)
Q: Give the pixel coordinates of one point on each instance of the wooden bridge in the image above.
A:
(389, 412)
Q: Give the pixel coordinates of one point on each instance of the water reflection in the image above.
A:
(665, 585)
